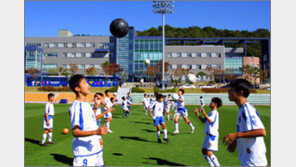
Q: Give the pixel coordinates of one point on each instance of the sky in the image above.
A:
(45, 18)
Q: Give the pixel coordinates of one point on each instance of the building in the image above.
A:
(131, 51)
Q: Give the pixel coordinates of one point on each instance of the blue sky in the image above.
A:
(45, 18)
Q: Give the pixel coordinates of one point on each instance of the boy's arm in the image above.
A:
(102, 114)
(229, 139)
(79, 133)
(206, 115)
(150, 113)
(46, 116)
(198, 115)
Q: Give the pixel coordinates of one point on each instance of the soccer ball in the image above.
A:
(175, 97)
(65, 130)
(191, 77)
(147, 61)
(115, 94)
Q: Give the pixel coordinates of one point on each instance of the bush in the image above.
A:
(113, 89)
(212, 82)
(220, 90)
(156, 89)
(137, 90)
(55, 89)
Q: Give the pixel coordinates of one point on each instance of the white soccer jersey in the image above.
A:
(82, 115)
(169, 103)
(212, 129)
(108, 103)
(157, 109)
(49, 109)
(98, 112)
(180, 104)
(124, 104)
(202, 103)
(251, 150)
(145, 102)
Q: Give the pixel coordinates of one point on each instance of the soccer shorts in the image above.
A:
(182, 112)
(211, 143)
(158, 121)
(95, 159)
(100, 137)
(50, 119)
(108, 115)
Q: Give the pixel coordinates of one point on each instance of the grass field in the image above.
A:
(133, 142)
(147, 90)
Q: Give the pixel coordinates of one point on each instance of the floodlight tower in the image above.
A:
(163, 7)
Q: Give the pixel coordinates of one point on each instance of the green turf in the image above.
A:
(133, 142)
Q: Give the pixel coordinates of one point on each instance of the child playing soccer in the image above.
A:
(249, 137)
(211, 130)
(124, 107)
(169, 104)
(129, 98)
(145, 103)
(48, 120)
(202, 103)
(181, 112)
(86, 148)
(108, 106)
(158, 119)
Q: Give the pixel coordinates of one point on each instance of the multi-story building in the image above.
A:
(130, 52)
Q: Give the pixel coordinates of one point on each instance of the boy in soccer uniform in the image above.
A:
(146, 103)
(169, 104)
(109, 103)
(181, 112)
(124, 107)
(158, 119)
(86, 148)
(202, 103)
(48, 120)
(211, 130)
(249, 137)
(129, 98)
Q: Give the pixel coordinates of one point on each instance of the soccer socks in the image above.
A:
(177, 125)
(214, 160)
(190, 124)
(165, 132)
(108, 125)
(43, 138)
(208, 160)
(158, 134)
(49, 136)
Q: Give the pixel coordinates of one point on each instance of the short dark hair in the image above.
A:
(148, 95)
(169, 94)
(159, 96)
(50, 95)
(155, 94)
(164, 96)
(200, 97)
(145, 94)
(122, 97)
(241, 84)
(218, 101)
(74, 81)
(100, 94)
(111, 98)
(106, 91)
(182, 90)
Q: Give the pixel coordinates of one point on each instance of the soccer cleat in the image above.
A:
(192, 130)
(51, 142)
(43, 144)
(110, 131)
(167, 140)
(176, 132)
(159, 141)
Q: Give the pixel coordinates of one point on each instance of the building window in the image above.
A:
(208, 54)
(64, 66)
(209, 65)
(73, 54)
(83, 55)
(64, 55)
(189, 66)
(218, 54)
(56, 45)
(179, 66)
(170, 55)
(46, 45)
(93, 45)
(189, 55)
(34, 44)
(51, 55)
(74, 45)
(65, 45)
(46, 67)
(179, 54)
(198, 66)
(218, 66)
(170, 66)
(84, 45)
(198, 54)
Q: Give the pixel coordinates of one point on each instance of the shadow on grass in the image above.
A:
(148, 130)
(163, 162)
(137, 122)
(63, 159)
(136, 138)
(32, 141)
(117, 154)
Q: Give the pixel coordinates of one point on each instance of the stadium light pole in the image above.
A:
(163, 7)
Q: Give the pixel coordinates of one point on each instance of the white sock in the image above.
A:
(49, 136)
(165, 132)
(190, 124)
(214, 160)
(209, 160)
(177, 125)
(108, 125)
(168, 117)
(43, 138)
(158, 134)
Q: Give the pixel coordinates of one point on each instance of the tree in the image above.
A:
(230, 77)
(152, 71)
(166, 69)
(33, 72)
(91, 71)
(65, 72)
(53, 71)
(61, 69)
(263, 76)
(112, 69)
(211, 71)
(201, 74)
(105, 64)
(73, 68)
(181, 72)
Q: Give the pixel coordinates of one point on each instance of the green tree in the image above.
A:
(201, 74)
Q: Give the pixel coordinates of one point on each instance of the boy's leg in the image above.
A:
(176, 124)
(189, 123)
(158, 131)
(50, 136)
(44, 136)
(208, 159)
(213, 158)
